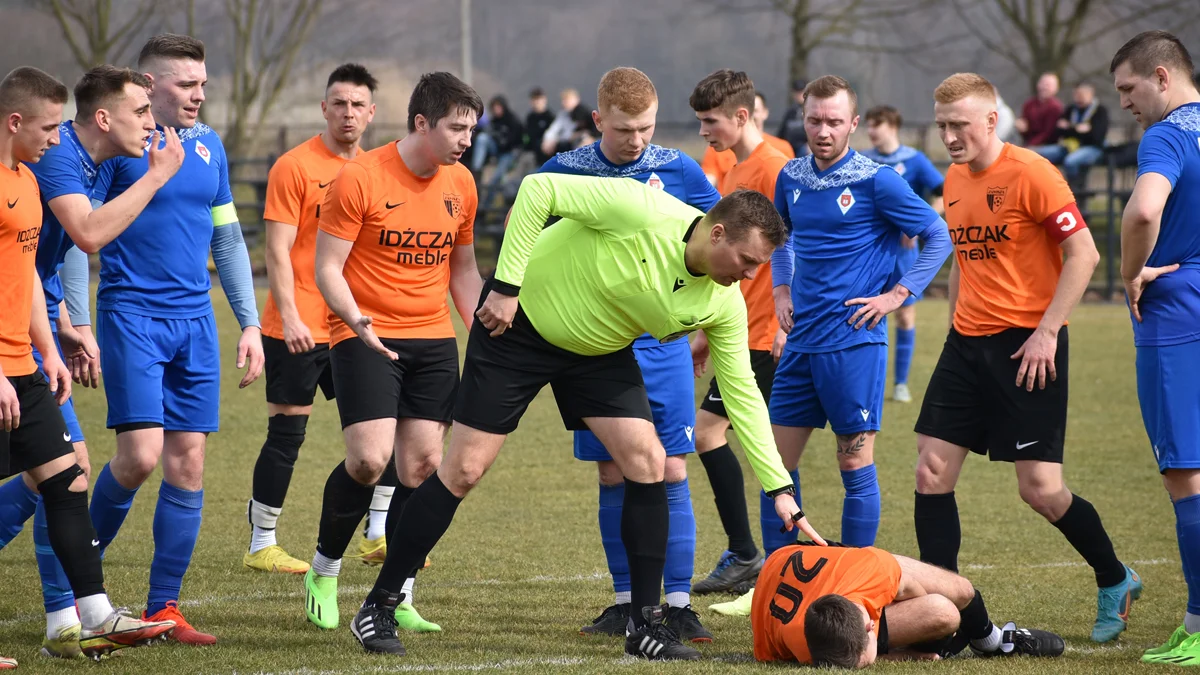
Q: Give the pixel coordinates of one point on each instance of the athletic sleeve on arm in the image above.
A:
(783, 260)
(728, 345)
(345, 203)
(701, 193)
(1160, 153)
(937, 248)
(1050, 201)
(233, 267)
(75, 276)
(899, 205)
(58, 174)
(285, 192)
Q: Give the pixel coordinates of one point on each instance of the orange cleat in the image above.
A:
(184, 633)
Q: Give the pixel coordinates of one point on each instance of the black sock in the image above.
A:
(425, 518)
(277, 459)
(71, 533)
(729, 492)
(939, 533)
(345, 503)
(1082, 527)
(399, 498)
(974, 622)
(644, 523)
(389, 477)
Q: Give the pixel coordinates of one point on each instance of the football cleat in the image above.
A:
(1173, 642)
(65, 645)
(407, 619)
(739, 607)
(729, 573)
(1016, 641)
(612, 621)
(121, 630)
(656, 641)
(686, 622)
(375, 624)
(1112, 607)
(274, 559)
(320, 600)
(184, 633)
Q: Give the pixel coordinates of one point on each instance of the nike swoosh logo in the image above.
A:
(390, 205)
(1022, 446)
(323, 185)
(715, 399)
(95, 542)
(953, 203)
(67, 436)
(13, 202)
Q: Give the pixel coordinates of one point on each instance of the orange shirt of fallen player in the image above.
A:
(404, 229)
(717, 164)
(1007, 222)
(295, 189)
(20, 227)
(795, 576)
(758, 173)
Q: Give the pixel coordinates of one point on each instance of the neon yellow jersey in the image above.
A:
(613, 269)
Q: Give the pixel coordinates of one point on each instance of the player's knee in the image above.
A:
(64, 485)
(675, 469)
(461, 479)
(961, 592)
(931, 478)
(610, 474)
(1041, 497)
(710, 432)
(138, 467)
(366, 470)
(418, 469)
(943, 615)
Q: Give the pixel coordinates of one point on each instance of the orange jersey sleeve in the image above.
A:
(716, 164)
(285, 190)
(758, 173)
(20, 227)
(781, 145)
(795, 576)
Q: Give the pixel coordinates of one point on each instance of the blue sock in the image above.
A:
(110, 504)
(17, 503)
(681, 539)
(56, 589)
(773, 539)
(905, 339)
(176, 528)
(612, 497)
(861, 507)
(1187, 529)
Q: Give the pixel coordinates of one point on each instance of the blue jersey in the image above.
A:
(1171, 305)
(158, 267)
(65, 169)
(844, 223)
(912, 164)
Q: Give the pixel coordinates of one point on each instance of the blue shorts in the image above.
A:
(844, 388)
(67, 409)
(160, 372)
(1169, 394)
(667, 372)
(904, 262)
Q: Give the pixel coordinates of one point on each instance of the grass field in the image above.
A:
(522, 567)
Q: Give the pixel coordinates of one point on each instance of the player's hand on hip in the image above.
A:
(366, 333)
(783, 307)
(700, 354)
(164, 161)
(250, 355)
(497, 312)
(1137, 285)
(787, 510)
(1037, 359)
(778, 344)
(58, 376)
(10, 405)
(874, 309)
(298, 337)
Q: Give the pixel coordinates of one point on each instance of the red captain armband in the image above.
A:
(1064, 222)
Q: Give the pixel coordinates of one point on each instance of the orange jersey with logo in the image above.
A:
(1007, 223)
(717, 164)
(295, 189)
(404, 229)
(20, 227)
(758, 173)
(795, 576)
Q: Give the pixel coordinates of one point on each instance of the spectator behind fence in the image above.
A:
(572, 126)
(1081, 133)
(505, 138)
(1039, 116)
(538, 120)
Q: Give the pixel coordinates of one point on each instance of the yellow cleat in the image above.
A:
(374, 551)
(65, 646)
(274, 559)
(739, 607)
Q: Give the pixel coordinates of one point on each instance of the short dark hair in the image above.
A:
(827, 86)
(26, 84)
(171, 46)
(100, 85)
(1150, 49)
(885, 114)
(438, 95)
(352, 73)
(743, 210)
(833, 628)
(537, 92)
(725, 89)
(759, 94)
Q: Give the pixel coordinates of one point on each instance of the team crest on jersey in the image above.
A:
(995, 198)
(453, 203)
(900, 168)
(845, 200)
(655, 182)
(203, 152)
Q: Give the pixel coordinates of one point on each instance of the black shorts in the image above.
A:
(292, 379)
(763, 365)
(418, 385)
(973, 399)
(42, 435)
(503, 374)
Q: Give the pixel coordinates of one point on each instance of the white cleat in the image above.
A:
(901, 394)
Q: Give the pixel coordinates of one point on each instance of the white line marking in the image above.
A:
(1077, 563)
(461, 668)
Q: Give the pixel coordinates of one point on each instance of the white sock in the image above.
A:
(408, 590)
(94, 610)
(326, 567)
(624, 597)
(260, 538)
(1191, 623)
(56, 621)
(263, 520)
(679, 599)
(990, 643)
(377, 516)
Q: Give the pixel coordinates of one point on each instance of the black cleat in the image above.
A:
(1026, 642)
(375, 624)
(730, 574)
(611, 621)
(656, 641)
(686, 622)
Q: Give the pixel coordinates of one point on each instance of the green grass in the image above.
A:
(522, 567)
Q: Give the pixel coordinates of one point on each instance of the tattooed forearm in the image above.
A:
(851, 444)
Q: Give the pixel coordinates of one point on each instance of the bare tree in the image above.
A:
(267, 36)
(95, 33)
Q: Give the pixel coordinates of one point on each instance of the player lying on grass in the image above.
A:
(847, 607)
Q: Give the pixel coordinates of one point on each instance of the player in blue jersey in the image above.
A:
(833, 289)
(157, 332)
(1160, 263)
(627, 104)
(883, 128)
(112, 119)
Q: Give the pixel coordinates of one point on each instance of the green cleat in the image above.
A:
(1186, 653)
(1177, 638)
(407, 619)
(739, 607)
(65, 646)
(320, 600)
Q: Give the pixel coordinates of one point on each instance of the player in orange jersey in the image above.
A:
(716, 163)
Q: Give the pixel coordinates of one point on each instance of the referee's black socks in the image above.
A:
(424, 519)
(939, 533)
(644, 524)
(1082, 527)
